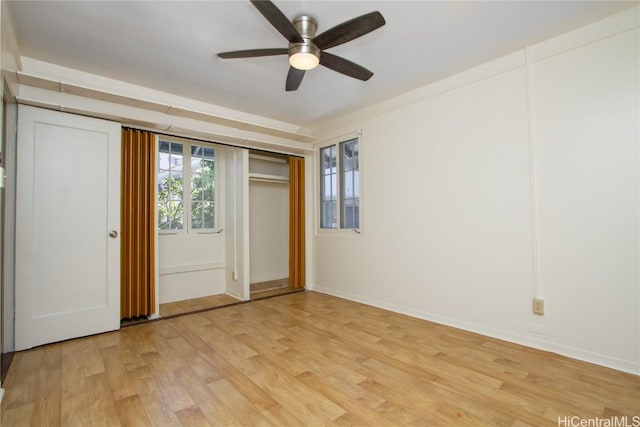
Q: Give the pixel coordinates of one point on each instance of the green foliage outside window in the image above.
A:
(171, 197)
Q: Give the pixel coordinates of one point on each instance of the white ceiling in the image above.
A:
(171, 46)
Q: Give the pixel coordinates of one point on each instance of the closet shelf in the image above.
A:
(268, 178)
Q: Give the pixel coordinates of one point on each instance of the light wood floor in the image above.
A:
(196, 304)
(257, 291)
(269, 285)
(270, 288)
(304, 359)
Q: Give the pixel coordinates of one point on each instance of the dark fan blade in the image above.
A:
(278, 20)
(349, 30)
(345, 66)
(294, 78)
(253, 53)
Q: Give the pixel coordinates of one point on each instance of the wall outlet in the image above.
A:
(538, 306)
(234, 275)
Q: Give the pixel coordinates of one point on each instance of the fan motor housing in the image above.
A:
(307, 27)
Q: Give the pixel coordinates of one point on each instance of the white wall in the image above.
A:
(513, 180)
(269, 230)
(587, 145)
(191, 266)
(237, 222)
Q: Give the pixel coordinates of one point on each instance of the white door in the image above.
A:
(67, 204)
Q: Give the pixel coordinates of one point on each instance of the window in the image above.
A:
(186, 187)
(340, 185)
(202, 188)
(170, 186)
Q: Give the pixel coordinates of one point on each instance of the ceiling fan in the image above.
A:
(306, 50)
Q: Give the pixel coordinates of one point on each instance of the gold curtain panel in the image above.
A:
(137, 244)
(296, 223)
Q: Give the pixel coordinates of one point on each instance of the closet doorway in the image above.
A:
(268, 224)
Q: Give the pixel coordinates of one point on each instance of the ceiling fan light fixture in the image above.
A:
(304, 56)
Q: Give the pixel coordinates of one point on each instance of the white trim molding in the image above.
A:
(176, 269)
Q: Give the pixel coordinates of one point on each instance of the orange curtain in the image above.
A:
(296, 223)
(137, 242)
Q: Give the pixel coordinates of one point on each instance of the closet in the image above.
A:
(268, 221)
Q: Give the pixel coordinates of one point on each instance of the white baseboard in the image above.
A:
(572, 352)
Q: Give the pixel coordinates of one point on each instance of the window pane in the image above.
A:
(196, 187)
(325, 155)
(334, 215)
(334, 188)
(326, 193)
(196, 215)
(201, 152)
(207, 166)
(163, 161)
(196, 167)
(176, 148)
(350, 214)
(175, 215)
(208, 214)
(164, 223)
(208, 193)
(333, 159)
(196, 194)
(173, 184)
(349, 184)
(356, 184)
(347, 219)
(176, 159)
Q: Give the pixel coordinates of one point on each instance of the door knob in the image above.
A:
(113, 234)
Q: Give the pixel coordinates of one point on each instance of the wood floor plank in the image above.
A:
(117, 374)
(74, 411)
(131, 412)
(194, 304)
(192, 417)
(311, 407)
(17, 416)
(357, 413)
(73, 373)
(159, 411)
(102, 409)
(238, 404)
(305, 359)
(23, 380)
(212, 408)
(167, 387)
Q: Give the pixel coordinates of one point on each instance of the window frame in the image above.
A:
(337, 143)
(186, 186)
